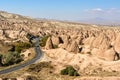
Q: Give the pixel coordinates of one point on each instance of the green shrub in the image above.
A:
(22, 45)
(7, 59)
(11, 58)
(13, 55)
(69, 71)
(0, 56)
(70, 68)
(18, 49)
(76, 74)
(64, 72)
(55, 46)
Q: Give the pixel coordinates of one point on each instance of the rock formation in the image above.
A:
(66, 42)
(110, 54)
(49, 44)
(117, 44)
(56, 40)
(92, 38)
(73, 47)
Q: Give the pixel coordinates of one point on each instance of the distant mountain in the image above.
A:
(101, 21)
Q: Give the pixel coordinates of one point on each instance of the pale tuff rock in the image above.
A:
(74, 47)
(1, 32)
(20, 78)
(49, 44)
(86, 49)
(98, 53)
(66, 42)
(26, 54)
(94, 51)
(56, 40)
(79, 39)
(117, 44)
(65, 38)
(111, 35)
(98, 78)
(2, 35)
(84, 62)
(22, 33)
(98, 40)
(12, 34)
(110, 55)
(89, 41)
(74, 37)
(105, 44)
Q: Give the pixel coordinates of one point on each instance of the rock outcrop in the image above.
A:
(74, 47)
(98, 40)
(49, 44)
(66, 42)
(110, 55)
(117, 44)
(56, 40)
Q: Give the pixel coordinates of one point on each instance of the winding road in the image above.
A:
(38, 55)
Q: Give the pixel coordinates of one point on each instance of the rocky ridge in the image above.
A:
(89, 48)
(73, 37)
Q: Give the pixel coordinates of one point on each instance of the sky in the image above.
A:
(64, 9)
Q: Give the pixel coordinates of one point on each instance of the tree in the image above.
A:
(22, 45)
(11, 58)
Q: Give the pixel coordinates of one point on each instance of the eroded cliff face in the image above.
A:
(90, 49)
(102, 42)
(93, 40)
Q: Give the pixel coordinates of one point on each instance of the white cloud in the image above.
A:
(97, 9)
(111, 13)
(103, 11)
